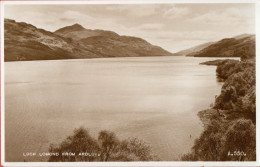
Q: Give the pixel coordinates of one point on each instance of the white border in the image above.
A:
(257, 28)
(125, 1)
(154, 163)
(2, 88)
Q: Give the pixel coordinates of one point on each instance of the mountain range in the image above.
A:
(24, 41)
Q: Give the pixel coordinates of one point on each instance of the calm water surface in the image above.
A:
(153, 98)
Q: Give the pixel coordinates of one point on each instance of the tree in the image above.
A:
(218, 141)
(240, 136)
(108, 143)
(80, 142)
(208, 146)
(106, 148)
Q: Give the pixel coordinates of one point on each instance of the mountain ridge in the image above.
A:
(78, 32)
(239, 46)
(25, 42)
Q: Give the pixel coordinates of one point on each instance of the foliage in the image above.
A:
(241, 136)
(219, 140)
(234, 132)
(238, 91)
(106, 148)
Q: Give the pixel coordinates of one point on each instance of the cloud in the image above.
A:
(230, 16)
(134, 10)
(244, 13)
(143, 11)
(150, 27)
(74, 15)
(177, 12)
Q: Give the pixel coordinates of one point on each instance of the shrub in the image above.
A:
(106, 148)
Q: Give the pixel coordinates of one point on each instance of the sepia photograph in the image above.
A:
(128, 82)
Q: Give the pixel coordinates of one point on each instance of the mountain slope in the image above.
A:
(110, 44)
(26, 42)
(122, 46)
(240, 46)
(77, 32)
(193, 49)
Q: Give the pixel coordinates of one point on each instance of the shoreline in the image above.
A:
(91, 58)
(220, 58)
(231, 118)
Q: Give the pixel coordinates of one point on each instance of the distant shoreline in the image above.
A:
(120, 57)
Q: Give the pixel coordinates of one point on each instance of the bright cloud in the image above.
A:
(176, 12)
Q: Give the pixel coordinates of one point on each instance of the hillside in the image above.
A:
(229, 126)
(110, 44)
(25, 42)
(78, 32)
(240, 46)
(193, 49)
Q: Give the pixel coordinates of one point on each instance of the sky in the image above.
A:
(174, 27)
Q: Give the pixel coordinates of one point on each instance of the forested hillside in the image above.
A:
(242, 46)
(229, 127)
